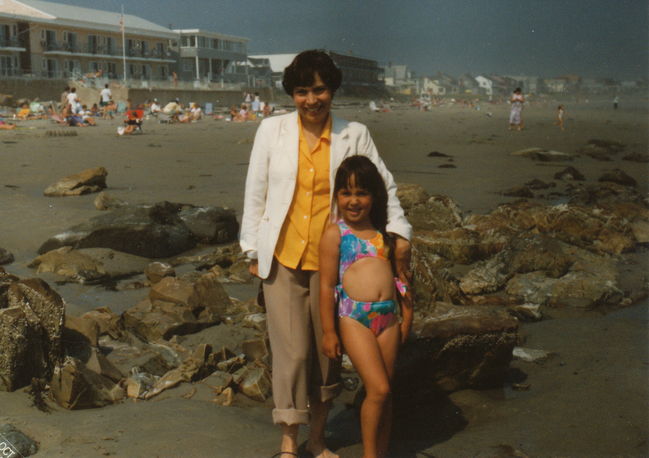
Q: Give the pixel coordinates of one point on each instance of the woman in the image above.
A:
(515, 114)
(286, 207)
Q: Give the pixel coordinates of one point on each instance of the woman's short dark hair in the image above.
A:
(302, 70)
(366, 176)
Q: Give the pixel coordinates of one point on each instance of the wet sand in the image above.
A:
(590, 399)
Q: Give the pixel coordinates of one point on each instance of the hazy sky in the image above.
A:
(593, 38)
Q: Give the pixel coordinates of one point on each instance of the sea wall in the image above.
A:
(41, 89)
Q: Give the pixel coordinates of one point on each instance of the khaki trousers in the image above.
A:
(300, 370)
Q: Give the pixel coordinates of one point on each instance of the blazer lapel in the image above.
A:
(339, 147)
(290, 141)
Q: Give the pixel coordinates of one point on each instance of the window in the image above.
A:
(110, 45)
(159, 49)
(93, 44)
(188, 41)
(216, 43)
(188, 65)
(202, 42)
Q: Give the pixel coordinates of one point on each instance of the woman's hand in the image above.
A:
(253, 267)
(331, 345)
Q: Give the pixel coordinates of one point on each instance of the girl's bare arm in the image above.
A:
(329, 255)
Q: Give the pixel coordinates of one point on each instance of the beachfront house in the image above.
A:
(65, 41)
(13, 46)
(210, 57)
(486, 85)
(431, 86)
(529, 84)
(468, 84)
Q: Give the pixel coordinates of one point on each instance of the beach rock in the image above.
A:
(569, 173)
(154, 231)
(84, 329)
(605, 194)
(637, 157)
(5, 257)
(18, 442)
(519, 191)
(437, 213)
(108, 323)
(591, 282)
(74, 386)
(31, 328)
(585, 227)
(432, 280)
(218, 381)
(226, 398)
(460, 245)
(611, 146)
(156, 271)
(530, 355)
(543, 155)
(98, 363)
(104, 201)
(85, 182)
(255, 321)
(620, 177)
(223, 256)
(255, 349)
(437, 154)
(410, 194)
(210, 224)
(527, 253)
(176, 307)
(239, 272)
(88, 265)
(256, 384)
(457, 347)
(537, 184)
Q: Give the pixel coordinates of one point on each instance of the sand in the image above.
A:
(589, 399)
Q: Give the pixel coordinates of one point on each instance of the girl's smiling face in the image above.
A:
(354, 203)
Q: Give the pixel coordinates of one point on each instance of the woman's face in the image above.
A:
(313, 102)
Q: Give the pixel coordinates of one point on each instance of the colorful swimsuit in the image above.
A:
(374, 315)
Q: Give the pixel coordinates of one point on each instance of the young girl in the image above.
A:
(357, 274)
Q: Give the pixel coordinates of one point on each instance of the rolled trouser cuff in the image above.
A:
(291, 416)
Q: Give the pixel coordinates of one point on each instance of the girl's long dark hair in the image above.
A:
(367, 176)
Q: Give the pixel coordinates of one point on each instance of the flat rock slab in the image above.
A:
(88, 265)
(85, 182)
(543, 155)
(160, 230)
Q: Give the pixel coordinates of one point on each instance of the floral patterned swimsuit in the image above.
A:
(373, 315)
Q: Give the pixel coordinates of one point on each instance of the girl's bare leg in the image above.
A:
(388, 342)
(374, 359)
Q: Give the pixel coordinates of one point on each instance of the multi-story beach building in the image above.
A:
(210, 56)
(45, 39)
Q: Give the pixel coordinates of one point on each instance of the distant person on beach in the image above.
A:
(616, 101)
(105, 96)
(6, 126)
(359, 306)
(63, 101)
(515, 113)
(561, 113)
(72, 98)
(256, 104)
(286, 208)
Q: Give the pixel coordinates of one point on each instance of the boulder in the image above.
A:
(74, 386)
(457, 347)
(460, 245)
(5, 257)
(176, 307)
(107, 322)
(637, 157)
(156, 271)
(519, 191)
(537, 184)
(31, 328)
(569, 173)
(543, 155)
(210, 224)
(620, 177)
(256, 384)
(410, 195)
(154, 231)
(218, 381)
(88, 265)
(437, 213)
(85, 182)
(104, 201)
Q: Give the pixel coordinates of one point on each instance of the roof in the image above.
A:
(210, 34)
(278, 62)
(88, 17)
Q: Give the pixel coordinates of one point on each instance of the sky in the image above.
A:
(590, 38)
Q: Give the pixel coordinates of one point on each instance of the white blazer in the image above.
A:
(272, 175)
